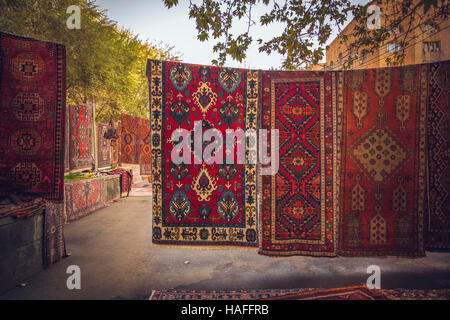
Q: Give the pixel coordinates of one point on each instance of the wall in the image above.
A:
(112, 187)
(21, 243)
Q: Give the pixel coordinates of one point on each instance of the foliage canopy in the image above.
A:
(105, 63)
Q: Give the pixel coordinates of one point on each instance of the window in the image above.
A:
(363, 59)
(396, 30)
(394, 47)
(430, 28)
(432, 46)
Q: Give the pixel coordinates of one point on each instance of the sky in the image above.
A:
(153, 22)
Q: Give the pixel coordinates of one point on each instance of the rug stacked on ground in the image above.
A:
(345, 293)
(32, 115)
(197, 203)
(103, 146)
(438, 219)
(83, 197)
(81, 140)
(382, 167)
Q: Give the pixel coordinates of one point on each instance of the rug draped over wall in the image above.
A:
(201, 204)
(136, 142)
(297, 203)
(54, 244)
(81, 123)
(438, 219)
(103, 146)
(83, 197)
(382, 180)
(32, 115)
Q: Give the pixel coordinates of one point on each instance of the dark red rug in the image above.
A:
(345, 293)
(297, 202)
(81, 123)
(438, 218)
(32, 115)
(20, 205)
(381, 120)
(201, 204)
(54, 247)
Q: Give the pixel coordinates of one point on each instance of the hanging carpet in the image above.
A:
(32, 114)
(135, 141)
(381, 120)
(438, 218)
(81, 123)
(103, 146)
(297, 203)
(200, 203)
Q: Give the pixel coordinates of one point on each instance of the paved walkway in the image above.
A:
(117, 260)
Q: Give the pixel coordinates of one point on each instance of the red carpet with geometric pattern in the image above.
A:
(81, 123)
(297, 203)
(438, 217)
(201, 203)
(32, 115)
(135, 141)
(381, 120)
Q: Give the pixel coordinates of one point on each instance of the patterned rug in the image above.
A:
(136, 142)
(20, 205)
(32, 114)
(54, 244)
(116, 144)
(438, 219)
(404, 294)
(103, 146)
(346, 293)
(81, 122)
(83, 197)
(297, 202)
(221, 294)
(201, 204)
(381, 120)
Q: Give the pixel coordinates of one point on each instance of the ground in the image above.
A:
(118, 261)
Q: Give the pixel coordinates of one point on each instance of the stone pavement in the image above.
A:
(118, 261)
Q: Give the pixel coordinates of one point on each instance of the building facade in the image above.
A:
(425, 39)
